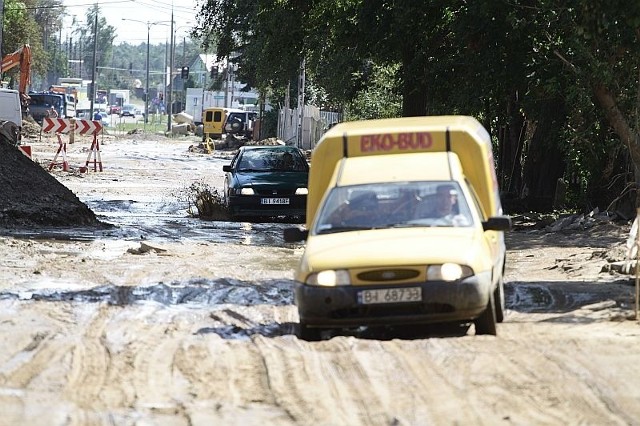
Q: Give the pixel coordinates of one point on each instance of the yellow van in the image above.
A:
(213, 122)
(218, 121)
(404, 226)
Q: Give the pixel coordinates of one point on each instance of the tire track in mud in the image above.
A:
(35, 351)
(502, 379)
(230, 378)
(466, 380)
(342, 381)
(90, 360)
(590, 384)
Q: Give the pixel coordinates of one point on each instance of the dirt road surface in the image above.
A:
(169, 320)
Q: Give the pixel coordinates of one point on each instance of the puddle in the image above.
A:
(196, 292)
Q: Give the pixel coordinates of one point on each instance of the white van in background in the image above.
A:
(11, 112)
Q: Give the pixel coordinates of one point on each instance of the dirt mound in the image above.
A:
(30, 129)
(30, 196)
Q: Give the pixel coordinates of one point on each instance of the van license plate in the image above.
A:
(390, 295)
(275, 201)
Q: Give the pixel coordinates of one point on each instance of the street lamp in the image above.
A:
(146, 89)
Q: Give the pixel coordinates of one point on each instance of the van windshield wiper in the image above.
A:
(335, 229)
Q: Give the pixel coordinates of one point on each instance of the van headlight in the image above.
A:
(302, 191)
(329, 278)
(246, 191)
(448, 272)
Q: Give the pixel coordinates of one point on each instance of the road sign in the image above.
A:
(88, 127)
(56, 125)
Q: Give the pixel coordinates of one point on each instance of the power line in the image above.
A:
(63, 6)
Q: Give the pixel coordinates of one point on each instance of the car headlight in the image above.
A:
(448, 272)
(329, 278)
(302, 191)
(246, 191)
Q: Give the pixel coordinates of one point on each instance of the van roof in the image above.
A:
(462, 135)
(226, 109)
(400, 168)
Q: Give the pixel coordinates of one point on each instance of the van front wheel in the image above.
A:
(498, 297)
(486, 322)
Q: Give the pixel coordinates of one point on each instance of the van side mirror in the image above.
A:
(497, 223)
(293, 235)
(226, 168)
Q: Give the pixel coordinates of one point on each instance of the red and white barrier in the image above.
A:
(84, 127)
(26, 150)
(62, 148)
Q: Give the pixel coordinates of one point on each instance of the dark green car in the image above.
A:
(267, 181)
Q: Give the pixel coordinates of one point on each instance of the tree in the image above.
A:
(547, 79)
(20, 28)
(101, 35)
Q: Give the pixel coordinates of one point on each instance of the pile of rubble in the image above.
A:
(567, 222)
(30, 196)
(30, 129)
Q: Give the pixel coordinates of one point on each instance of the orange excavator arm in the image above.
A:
(20, 57)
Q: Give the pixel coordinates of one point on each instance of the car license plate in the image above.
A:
(390, 295)
(275, 201)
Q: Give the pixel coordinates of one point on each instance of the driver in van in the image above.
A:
(444, 206)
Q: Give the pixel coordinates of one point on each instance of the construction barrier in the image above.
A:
(62, 148)
(26, 150)
(83, 127)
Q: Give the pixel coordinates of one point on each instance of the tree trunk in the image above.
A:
(414, 90)
(620, 125)
(544, 163)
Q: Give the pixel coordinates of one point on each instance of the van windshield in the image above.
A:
(394, 204)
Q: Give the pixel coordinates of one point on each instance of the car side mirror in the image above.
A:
(293, 235)
(226, 168)
(497, 223)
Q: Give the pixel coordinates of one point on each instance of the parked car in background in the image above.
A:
(115, 109)
(128, 110)
(267, 181)
(139, 111)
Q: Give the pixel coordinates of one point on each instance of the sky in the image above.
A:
(138, 13)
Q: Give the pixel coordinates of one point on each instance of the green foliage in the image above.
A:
(380, 98)
(21, 28)
(269, 124)
(97, 37)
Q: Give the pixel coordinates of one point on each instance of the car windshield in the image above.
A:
(272, 160)
(394, 205)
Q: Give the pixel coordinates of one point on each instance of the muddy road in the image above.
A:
(165, 319)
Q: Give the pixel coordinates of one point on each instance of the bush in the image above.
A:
(206, 202)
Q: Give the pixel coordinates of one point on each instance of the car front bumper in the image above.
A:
(441, 301)
(250, 205)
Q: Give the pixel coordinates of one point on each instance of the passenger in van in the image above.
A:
(361, 211)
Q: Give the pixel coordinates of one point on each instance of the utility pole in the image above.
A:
(1, 28)
(170, 100)
(166, 64)
(93, 68)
